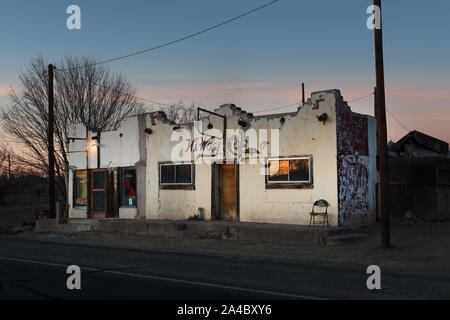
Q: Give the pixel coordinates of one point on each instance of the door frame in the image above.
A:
(215, 193)
(94, 214)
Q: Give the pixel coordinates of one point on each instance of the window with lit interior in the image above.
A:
(80, 189)
(289, 170)
(129, 187)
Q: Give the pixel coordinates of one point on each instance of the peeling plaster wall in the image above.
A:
(343, 154)
(172, 204)
(115, 150)
(118, 148)
(356, 165)
(301, 134)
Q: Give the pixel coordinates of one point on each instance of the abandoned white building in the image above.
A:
(321, 151)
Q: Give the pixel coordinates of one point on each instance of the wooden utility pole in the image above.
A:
(51, 155)
(303, 93)
(9, 166)
(380, 112)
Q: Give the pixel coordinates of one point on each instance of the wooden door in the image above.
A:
(98, 193)
(227, 192)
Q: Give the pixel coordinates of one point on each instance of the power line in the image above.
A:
(299, 103)
(10, 108)
(362, 97)
(136, 97)
(166, 44)
(398, 121)
(280, 107)
(390, 113)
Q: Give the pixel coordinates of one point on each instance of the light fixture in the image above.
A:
(242, 123)
(323, 118)
(148, 131)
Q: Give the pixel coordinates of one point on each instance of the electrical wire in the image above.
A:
(299, 103)
(278, 108)
(362, 97)
(398, 121)
(136, 97)
(10, 108)
(166, 44)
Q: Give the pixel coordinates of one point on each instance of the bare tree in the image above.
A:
(84, 92)
(5, 156)
(180, 113)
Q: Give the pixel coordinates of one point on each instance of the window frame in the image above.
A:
(75, 188)
(296, 184)
(122, 192)
(176, 185)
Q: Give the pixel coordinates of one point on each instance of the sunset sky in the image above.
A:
(257, 62)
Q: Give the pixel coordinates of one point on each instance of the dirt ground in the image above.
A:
(418, 247)
(14, 216)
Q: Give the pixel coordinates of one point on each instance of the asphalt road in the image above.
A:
(31, 269)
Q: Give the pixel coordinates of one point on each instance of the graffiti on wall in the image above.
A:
(353, 165)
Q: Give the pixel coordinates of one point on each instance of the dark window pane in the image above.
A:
(183, 173)
(278, 170)
(129, 190)
(99, 180)
(299, 170)
(99, 201)
(167, 174)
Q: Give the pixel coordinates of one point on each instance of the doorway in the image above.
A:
(98, 193)
(225, 195)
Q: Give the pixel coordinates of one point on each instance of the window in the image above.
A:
(80, 188)
(129, 196)
(290, 171)
(172, 174)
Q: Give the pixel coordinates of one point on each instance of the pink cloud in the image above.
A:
(242, 93)
(419, 95)
(4, 91)
(251, 96)
(428, 116)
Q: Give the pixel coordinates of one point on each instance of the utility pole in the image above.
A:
(9, 166)
(303, 93)
(380, 112)
(51, 155)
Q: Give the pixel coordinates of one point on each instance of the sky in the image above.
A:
(258, 62)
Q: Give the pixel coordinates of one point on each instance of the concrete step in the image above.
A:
(344, 238)
(78, 221)
(74, 227)
(259, 232)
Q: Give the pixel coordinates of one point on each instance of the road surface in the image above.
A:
(31, 269)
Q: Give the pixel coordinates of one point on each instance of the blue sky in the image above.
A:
(257, 62)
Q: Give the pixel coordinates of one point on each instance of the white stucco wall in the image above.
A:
(302, 134)
(172, 204)
(118, 148)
